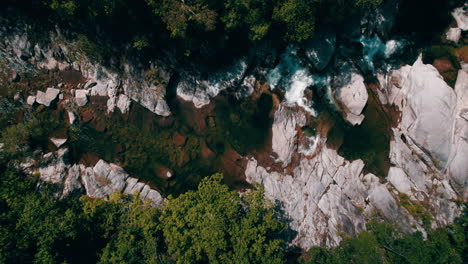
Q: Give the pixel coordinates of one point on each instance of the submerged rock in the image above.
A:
(320, 49)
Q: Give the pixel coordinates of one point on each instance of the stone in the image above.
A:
(129, 188)
(155, 198)
(148, 94)
(56, 168)
(31, 100)
(351, 93)
(71, 117)
(123, 103)
(398, 178)
(102, 169)
(99, 90)
(429, 113)
(199, 91)
(48, 97)
(458, 166)
(453, 34)
(285, 122)
(460, 15)
(58, 142)
(247, 88)
(72, 180)
(81, 97)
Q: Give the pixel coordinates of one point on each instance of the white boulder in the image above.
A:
(123, 103)
(81, 97)
(453, 34)
(48, 97)
(31, 100)
(352, 94)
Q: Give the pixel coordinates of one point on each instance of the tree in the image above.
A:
(130, 226)
(216, 225)
(253, 14)
(180, 14)
(298, 18)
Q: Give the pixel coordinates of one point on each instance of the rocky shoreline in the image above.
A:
(299, 102)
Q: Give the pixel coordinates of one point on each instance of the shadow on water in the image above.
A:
(369, 141)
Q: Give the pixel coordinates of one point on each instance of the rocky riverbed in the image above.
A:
(339, 129)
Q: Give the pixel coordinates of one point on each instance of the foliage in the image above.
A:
(298, 17)
(67, 7)
(415, 209)
(216, 225)
(253, 14)
(180, 15)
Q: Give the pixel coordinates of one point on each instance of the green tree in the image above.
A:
(253, 14)
(298, 18)
(130, 226)
(178, 15)
(216, 225)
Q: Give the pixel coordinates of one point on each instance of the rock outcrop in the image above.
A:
(199, 90)
(429, 112)
(284, 129)
(325, 195)
(99, 181)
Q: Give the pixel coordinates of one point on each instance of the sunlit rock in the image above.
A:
(199, 90)
(351, 93)
(48, 97)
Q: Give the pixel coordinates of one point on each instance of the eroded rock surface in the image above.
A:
(99, 181)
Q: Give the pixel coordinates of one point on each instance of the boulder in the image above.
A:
(58, 142)
(123, 103)
(453, 34)
(81, 97)
(56, 168)
(351, 93)
(31, 100)
(398, 178)
(71, 117)
(461, 16)
(48, 97)
(429, 112)
(199, 90)
(284, 130)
